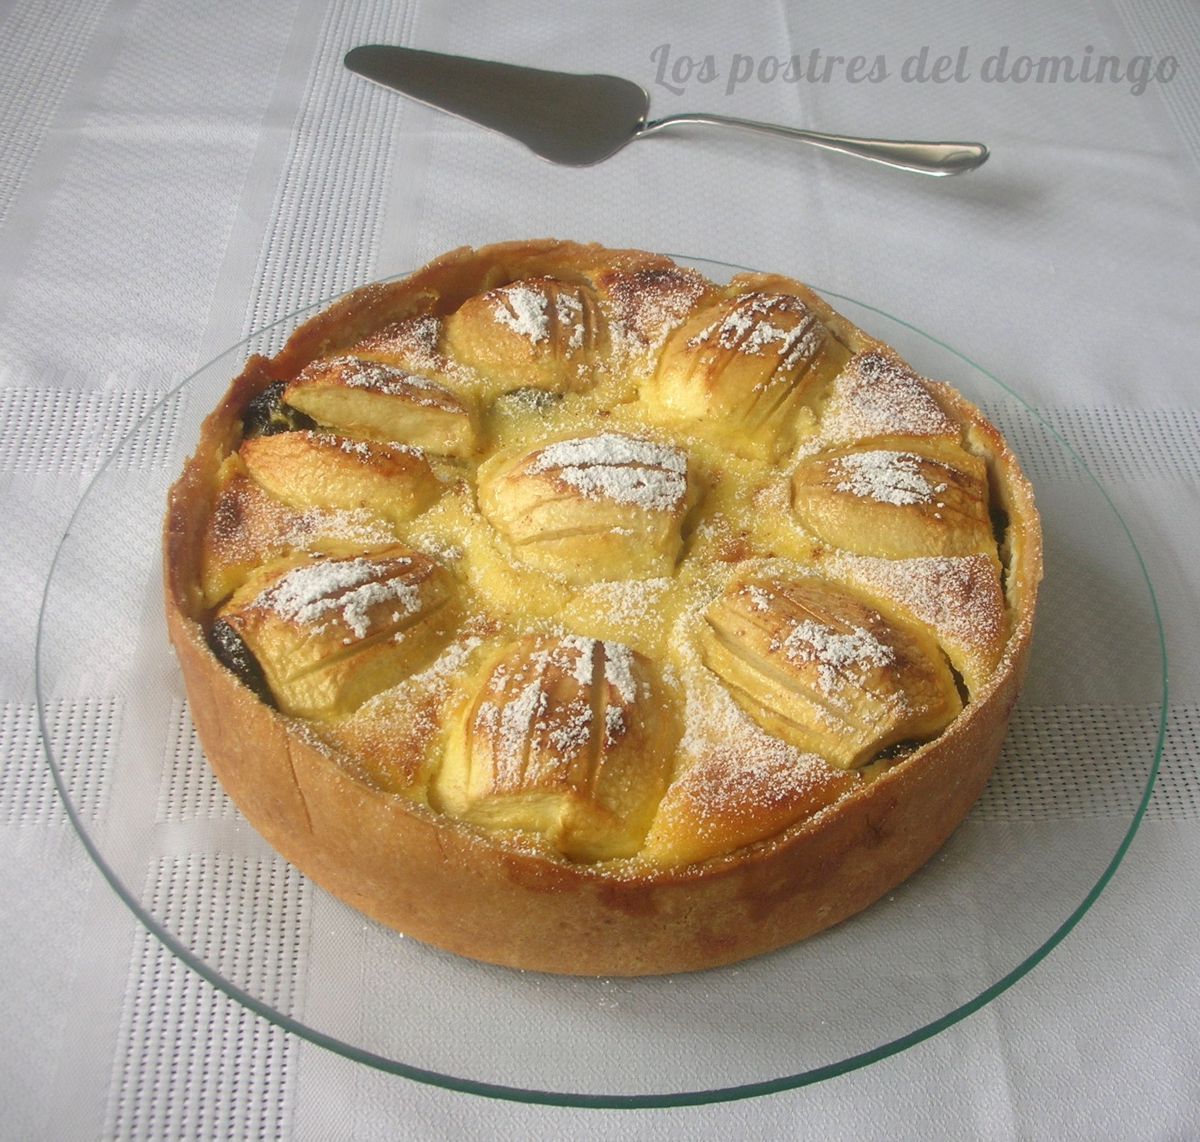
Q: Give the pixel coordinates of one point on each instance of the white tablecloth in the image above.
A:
(173, 176)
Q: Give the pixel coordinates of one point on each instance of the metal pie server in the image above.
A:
(579, 120)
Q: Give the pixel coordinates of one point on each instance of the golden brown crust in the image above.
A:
(717, 881)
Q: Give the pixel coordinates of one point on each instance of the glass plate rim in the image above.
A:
(529, 1095)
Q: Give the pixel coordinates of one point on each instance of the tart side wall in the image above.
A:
(439, 882)
(445, 883)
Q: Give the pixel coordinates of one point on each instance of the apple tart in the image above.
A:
(564, 609)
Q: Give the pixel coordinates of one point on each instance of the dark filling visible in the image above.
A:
(235, 656)
(963, 693)
(999, 525)
(267, 414)
(899, 750)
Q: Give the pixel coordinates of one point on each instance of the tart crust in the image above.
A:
(721, 876)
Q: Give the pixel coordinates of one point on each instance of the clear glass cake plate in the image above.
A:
(1012, 882)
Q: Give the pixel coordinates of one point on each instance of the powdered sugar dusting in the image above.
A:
(739, 784)
(367, 450)
(630, 602)
(572, 731)
(618, 670)
(716, 725)
(835, 653)
(522, 309)
(888, 476)
(415, 343)
(508, 726)
(878, 395)
(959, 596)
(358, 527)
(617, 664)
(568, 308)
(421, 336)
(526, 704)
(452, 660)
(248, 525)
(800, 343)
(346, 588)
(760, 600)
(748, 328)
(646, 305)
(625, 469)
(583, 651)
(391, 380)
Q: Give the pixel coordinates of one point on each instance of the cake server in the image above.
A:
(579, 120)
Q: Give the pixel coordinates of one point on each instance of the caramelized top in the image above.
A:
(631, 565)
